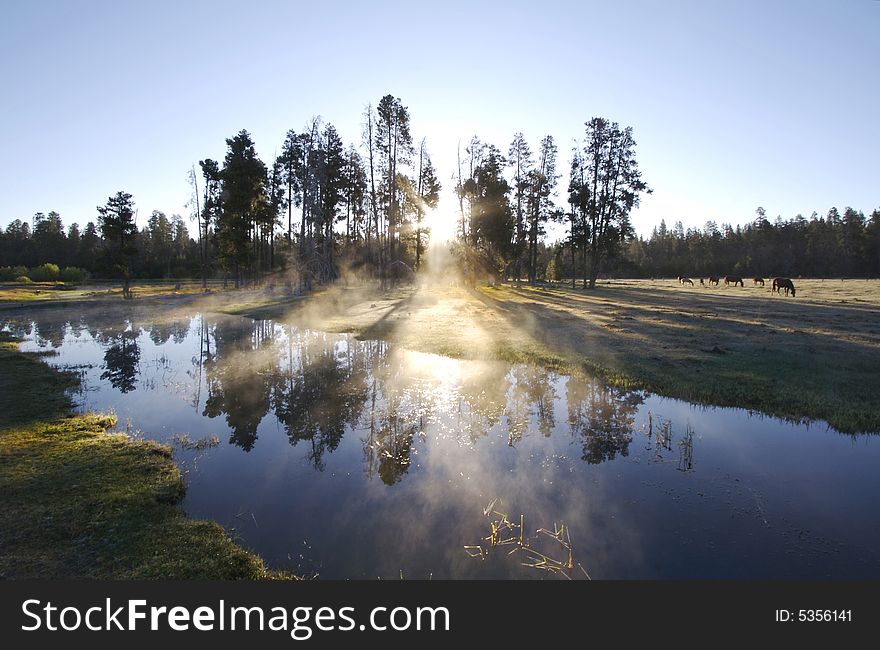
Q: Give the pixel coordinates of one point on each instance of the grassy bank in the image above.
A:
(15, 294)
(79, 502)
(811, 357)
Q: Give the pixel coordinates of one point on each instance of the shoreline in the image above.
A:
(810, 359)
(83, 502)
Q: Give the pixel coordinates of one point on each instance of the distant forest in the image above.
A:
(321, 207)
(836, 245)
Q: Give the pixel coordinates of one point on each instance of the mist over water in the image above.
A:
(353, 458)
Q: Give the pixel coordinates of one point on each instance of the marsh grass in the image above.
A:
(183, 441)
(14, 294)
(504, 533)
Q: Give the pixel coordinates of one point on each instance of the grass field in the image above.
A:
(14, 293)
(815, 356)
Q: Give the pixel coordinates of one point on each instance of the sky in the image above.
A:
(734, 105)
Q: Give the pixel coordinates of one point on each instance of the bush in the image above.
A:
(552, 273)
(74, 274)
(23, 279)
(45, 273)
(9, 273)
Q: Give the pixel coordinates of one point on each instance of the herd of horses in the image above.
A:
(779, 285)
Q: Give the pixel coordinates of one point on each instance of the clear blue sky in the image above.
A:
(734, 104)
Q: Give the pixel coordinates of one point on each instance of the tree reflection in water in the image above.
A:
(603, 417)
(320, 386)
(405, 392)
(121, 360)
(236, 379)
(532, 394)
(321, 390)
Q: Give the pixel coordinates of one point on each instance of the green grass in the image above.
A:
(79, 502)
(811, 359)
(14, 294)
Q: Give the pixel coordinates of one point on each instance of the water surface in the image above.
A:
(346, 458)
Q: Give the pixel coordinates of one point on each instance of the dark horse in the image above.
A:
(714, 279)
(684, 280)
(734, 280)
(758, 281)
(780, 284)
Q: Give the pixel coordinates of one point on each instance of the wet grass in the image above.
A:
(14, 294)
(814, 357)
(81, 502)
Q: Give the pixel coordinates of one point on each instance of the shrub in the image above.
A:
(23, 279)
(9, 273)
(74, 274)
(552, 273)
(45, 273)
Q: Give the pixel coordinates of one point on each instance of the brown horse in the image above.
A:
(714, 279)
(684, 280)
(734, 280)
(783, 284)
(758, 281)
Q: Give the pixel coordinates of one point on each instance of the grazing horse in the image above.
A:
(734, 280)
(702, 284)
(714, 279)
(758, 281)
(685, 280)
(783, 284)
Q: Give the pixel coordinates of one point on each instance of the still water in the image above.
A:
(349, 458)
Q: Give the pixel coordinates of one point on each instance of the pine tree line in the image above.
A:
(835, 245)
(321, 207)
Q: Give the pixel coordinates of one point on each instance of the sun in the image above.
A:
(443, 222)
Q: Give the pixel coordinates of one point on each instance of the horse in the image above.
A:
(758, 281)
(702, 284)
(783, 284)
(734, 280)
(714, 279)
(685, 280)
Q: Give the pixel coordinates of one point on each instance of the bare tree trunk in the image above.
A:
(460, 193)
(373, 201)
(199, 224)
(368, 113)
(289, 211)
(392, 189)
(584, 270)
